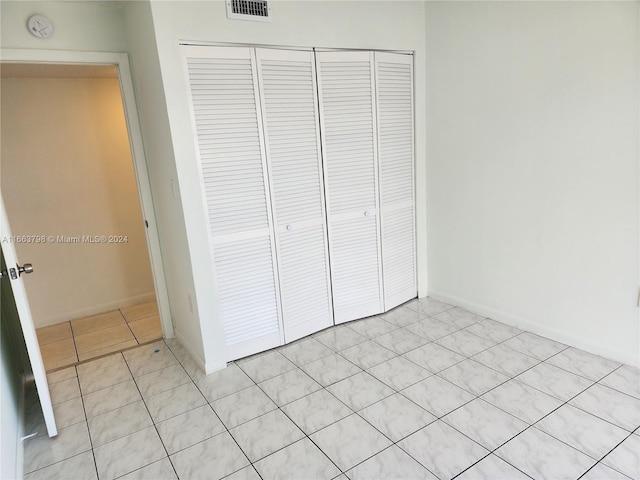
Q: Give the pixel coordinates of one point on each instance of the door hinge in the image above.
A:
(146, 224)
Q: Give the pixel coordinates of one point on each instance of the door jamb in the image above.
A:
(121, 61)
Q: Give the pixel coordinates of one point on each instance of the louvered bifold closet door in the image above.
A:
(347, 115)
(227, 119)
(394, 86)
(292, 138)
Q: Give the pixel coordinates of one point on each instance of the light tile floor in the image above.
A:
(69, 343)
(425, 391)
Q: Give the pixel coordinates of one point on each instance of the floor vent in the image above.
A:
(254, 10)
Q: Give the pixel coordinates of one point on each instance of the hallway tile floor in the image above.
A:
(426, 391)
(68, 343)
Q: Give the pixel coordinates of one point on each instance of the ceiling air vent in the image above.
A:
(254, 10)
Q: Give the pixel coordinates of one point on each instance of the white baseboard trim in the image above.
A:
(207, 368)
(94, 309)
(542, 330)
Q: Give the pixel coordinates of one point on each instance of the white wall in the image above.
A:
(532, 147)
(382, 25)
(67, 171)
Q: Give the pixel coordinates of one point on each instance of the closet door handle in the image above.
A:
(366, 213)
(289, 227)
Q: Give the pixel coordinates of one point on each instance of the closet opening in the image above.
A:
(71, 185)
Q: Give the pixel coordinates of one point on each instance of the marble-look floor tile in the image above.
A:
(42, 451)
(522, 401)
(91, 367)
(437, 396)
(428, 306)
(390, 464)
(189, 428)
(602, 472)
(81, 467)
(350, 441)
(535, 345)
(129, 453)
(582, 363)
(148, 349)
(299, 460)
(367, 354)
(289, 386)
(442, 449)
(399, 373)
(340, 338)
(226, 381)
(331, 369)
(139, 311)
(150, 363)
(54, 333)
(160, 470)
(484, 423)
(162, 380)
(506, 360)
(118, 423)
(264, 435)
(305, 351)
(110, 398)
(243, 406)
(473, 377)
(434, 357)
(625, 379)
(625, 457)
(613, 406)
(402, 316)
(267, 366)
(360, 391)
(555, 381)
(174, 402)
(492, 330)
(61, 375)
(94, 323)
(431, 329)
(246, 473)
(69, 413)
(459, 317)
(541, 456)
(64, 390)
(493, 468)
(371, 327)
(400, 341)
(216, 457)
(465, 343)
(581, 430)
(107, 377)
(316, 411)
(396, 416)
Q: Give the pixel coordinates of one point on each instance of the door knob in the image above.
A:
(26, 268)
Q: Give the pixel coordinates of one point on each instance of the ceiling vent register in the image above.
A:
(254, 10)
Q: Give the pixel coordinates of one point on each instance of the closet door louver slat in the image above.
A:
(287, 85)
(347, 113)
(228, 124)
(394, 84)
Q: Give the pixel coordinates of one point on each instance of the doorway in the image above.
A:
(73, 198)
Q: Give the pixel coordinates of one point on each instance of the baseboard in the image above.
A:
(95, 309)
(542, 330)
(207, 368)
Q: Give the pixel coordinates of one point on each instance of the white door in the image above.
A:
(394, 88)
(13, 275)
(292, 138)
(348, 120)
(227, 120)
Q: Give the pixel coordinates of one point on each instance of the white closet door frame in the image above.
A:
(391, 211)
(346, 315)
(268, 341)
(283, 229)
